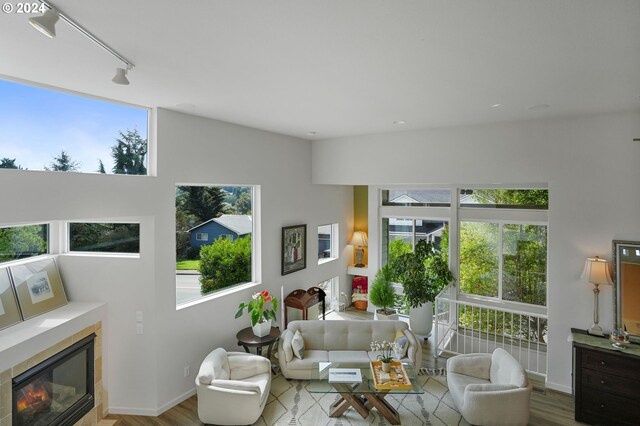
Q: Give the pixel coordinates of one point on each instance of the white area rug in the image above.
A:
(290, 404)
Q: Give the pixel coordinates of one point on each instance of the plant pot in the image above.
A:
(386, 314)
(262, 329)
(386, 366)
(421, 319)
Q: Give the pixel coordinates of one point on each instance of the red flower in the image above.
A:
(267, 299)
(264, 293)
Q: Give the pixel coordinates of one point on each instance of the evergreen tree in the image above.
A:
(8, 163)
(63, 163)
(101, 167)
(129, 154)
(203, 202)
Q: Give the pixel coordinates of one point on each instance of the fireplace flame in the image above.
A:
(34, 397)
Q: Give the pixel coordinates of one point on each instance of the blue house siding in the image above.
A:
(213, 231)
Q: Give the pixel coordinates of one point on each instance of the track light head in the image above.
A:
(46, 23)
(121, 76)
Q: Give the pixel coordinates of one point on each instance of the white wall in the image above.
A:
(590, 163)
(145, 372)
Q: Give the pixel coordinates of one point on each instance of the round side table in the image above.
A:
(247, 340)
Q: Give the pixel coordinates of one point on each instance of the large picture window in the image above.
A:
(214, 239)
(43, 129)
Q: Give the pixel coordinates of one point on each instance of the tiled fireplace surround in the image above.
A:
(66, 326)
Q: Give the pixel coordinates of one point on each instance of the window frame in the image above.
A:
(333, 243)
(199, 234)
(256, 244)
(49, 235)
(67, 239)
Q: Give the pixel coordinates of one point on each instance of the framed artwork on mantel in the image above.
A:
(38, 286)
(294, 248)
(9, 311)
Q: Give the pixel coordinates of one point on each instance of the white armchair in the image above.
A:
(232, 387)
(489, 389)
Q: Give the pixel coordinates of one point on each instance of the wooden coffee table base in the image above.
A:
(363, 404)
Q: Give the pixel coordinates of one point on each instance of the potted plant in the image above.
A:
(423, 274)
(383, 295)
(261, 312)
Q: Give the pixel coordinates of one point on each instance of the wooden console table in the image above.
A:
(605, 381)
(303, 300)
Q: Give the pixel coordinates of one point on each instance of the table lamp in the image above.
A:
(597, 272)
(359, 240)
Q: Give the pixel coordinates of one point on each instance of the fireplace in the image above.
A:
(59, 390)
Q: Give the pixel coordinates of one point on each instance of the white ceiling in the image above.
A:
(344, 67)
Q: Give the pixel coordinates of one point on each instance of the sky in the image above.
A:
(36, 124)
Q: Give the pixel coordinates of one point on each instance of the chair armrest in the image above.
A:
(474, 365)
(489, 387)
(235, 385)
(243, 365)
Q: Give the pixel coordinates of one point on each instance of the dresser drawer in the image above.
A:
(610, 364)
(603, 382)
(604, 408)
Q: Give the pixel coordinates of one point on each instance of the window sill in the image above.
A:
(216, 295)
(98, 254)
(326, 260)
(356, 270)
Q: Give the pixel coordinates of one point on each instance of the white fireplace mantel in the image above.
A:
(28, 338)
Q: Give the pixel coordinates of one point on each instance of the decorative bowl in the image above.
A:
(619, 338)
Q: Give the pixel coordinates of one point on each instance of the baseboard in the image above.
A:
(150, 412)
(188, 394)
(559, 388)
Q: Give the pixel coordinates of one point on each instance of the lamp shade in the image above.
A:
(359, 239)
(597, 271)
(46, 23)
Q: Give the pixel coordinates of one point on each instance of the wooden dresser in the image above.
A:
(606, 382)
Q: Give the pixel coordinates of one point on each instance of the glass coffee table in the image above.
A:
(358, 390)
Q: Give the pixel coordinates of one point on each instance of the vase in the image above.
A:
(262, 329)
(386, 366)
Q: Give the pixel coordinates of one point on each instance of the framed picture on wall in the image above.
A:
(9, 311)
(38, 286)
(294, 248)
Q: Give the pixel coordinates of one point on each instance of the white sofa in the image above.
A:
(489, 389)
(341, 341)
(232, 387)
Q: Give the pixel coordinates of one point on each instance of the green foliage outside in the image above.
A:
(225, 263)
(381, 291)
(188, 265)
(22, 241)
(63, 163)
(527, 198)
(105, 237)
(9, 163)
(129, 154)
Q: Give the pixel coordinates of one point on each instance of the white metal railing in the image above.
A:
(464, 327)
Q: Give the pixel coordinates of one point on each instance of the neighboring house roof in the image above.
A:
(241, 224)
(402, 196)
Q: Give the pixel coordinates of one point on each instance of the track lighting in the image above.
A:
(121, 76)
(46, 24)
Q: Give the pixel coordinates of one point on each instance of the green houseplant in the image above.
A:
(423, 274)
(382, 293)
(262, 308)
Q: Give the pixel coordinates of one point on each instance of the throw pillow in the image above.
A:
(297, 344)
(403, 345)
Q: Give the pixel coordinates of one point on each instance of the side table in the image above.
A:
(247, 340)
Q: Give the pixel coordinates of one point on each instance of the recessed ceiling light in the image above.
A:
(400, 122)
(312, 133)
(538, 107)
(496, 105)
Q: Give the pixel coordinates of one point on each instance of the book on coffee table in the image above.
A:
(345, 375)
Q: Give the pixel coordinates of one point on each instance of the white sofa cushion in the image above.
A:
(348, 356)
(310, 356)
(505, 369)
(297, 345)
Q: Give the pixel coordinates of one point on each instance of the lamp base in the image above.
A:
(595, 330)
(359, 265)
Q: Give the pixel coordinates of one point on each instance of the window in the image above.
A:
(401, 235)
(505, 198)
(327, 243)
(19, 242)
(224, 215)
(43, 129)
(104, 237)
(416, 197)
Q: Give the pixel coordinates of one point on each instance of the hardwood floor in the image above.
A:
(548, 408)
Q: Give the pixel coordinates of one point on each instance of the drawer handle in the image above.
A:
(601, 405)
(603, 363)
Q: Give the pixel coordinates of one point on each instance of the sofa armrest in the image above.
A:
(488, 387)
(243, 365)
(285, 352)
(474, 365)
(414, 351)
